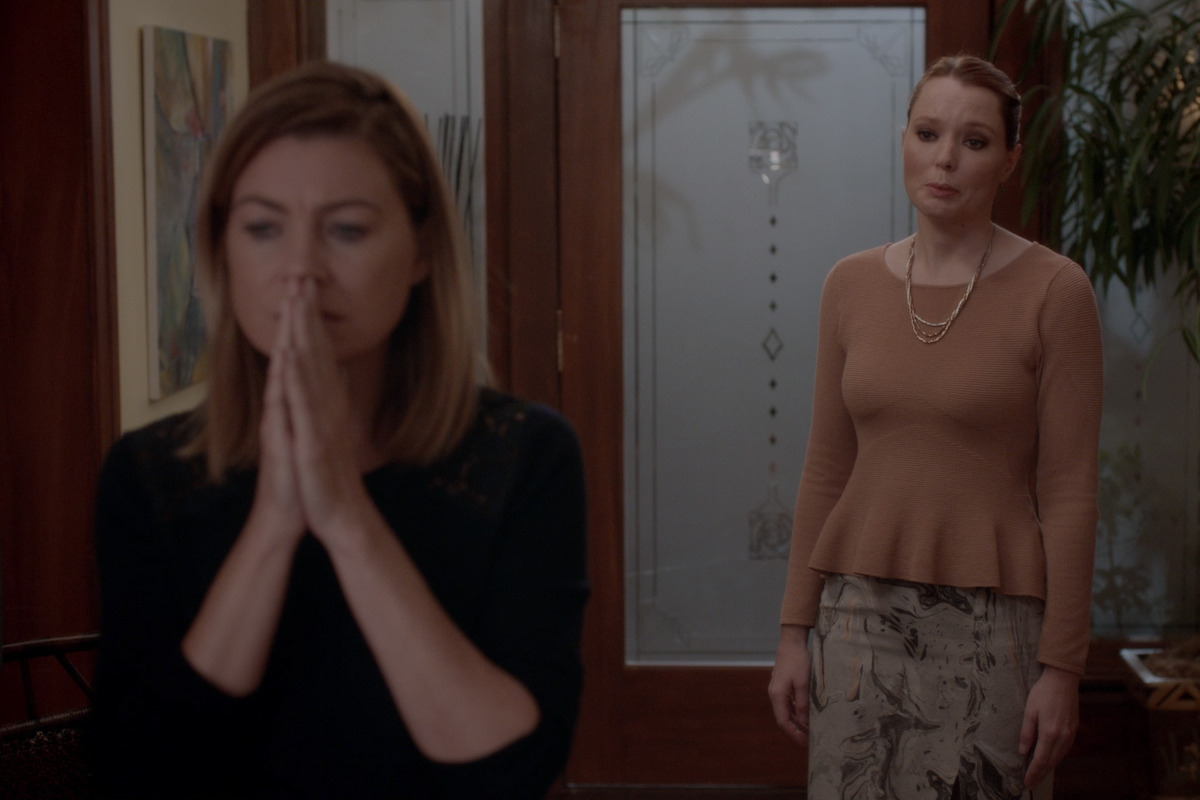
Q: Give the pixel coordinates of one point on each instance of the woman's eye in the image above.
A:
(976, 144)
(347, 231)
(261, 230)
(926, 135)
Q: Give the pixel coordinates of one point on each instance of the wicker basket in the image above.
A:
(1172, 707)
(1156, 692)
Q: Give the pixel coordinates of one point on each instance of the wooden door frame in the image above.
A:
(282, 34)
(521, 162)
(643, 724)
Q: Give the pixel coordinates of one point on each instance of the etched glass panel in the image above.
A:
(761, 145)
(1147, 579)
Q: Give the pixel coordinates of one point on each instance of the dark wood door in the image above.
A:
(641, 724)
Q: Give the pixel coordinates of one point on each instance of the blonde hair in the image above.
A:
(974, 71)
(436, 363)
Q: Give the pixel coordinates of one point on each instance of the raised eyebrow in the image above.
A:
(258, 200)
(337, 205)
(340, 205)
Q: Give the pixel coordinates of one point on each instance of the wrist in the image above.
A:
(1060, 675)
(271, 530)
(354, 532)
(794, 634)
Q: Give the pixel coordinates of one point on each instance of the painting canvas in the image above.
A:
(186, 102)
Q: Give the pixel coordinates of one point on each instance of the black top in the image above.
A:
(497, 530)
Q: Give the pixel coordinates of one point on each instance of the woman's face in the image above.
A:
(955, 157)
(322, 208)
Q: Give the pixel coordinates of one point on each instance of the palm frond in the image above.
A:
(1113, 149)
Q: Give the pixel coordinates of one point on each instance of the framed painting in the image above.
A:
(185, 106)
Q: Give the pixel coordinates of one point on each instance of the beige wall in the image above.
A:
(225, 19)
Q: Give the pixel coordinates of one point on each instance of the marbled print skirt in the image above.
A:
(918, 691)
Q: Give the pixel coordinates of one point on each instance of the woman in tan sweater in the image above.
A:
(937, 612)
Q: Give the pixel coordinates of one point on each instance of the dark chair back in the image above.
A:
(42, 756)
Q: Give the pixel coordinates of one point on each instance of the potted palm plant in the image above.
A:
(1112, 164)
(1112, 154)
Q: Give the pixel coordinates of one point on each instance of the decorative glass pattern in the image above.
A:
(761, 145)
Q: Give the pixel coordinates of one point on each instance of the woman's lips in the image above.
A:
(941, 189)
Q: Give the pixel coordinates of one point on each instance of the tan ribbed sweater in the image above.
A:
(971, 462)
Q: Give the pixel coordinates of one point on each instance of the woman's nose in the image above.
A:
(946, 157)
(307, 258)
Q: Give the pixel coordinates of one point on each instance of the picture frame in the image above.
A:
(186, 104)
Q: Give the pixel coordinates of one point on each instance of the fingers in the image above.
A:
(1049, 738)
(1050, 723)
(276, 497)
(1051, 748)
(792, 717)
(790, 702)
(314, 382)
(311, 335)
(1039, 766)
(788, 688)
(274, 428)
(795, 724)
(781, 702)
(1028, 732)
(322, 437)
(274, 405)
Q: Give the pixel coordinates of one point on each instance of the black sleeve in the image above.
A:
(532, 625)
(151, 708)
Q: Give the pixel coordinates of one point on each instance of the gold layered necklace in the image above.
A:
(932, 332)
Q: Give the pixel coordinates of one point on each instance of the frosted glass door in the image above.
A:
(761, 145)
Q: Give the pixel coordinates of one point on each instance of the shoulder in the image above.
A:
(146, 486)
(153, 445)
(1040, 264)
(521, 421)
(860, 278)
(1059, 295)
(860, 266)
(1059, 280)
(149, 456)
(515, 448)
(496, 407)
(509, 430)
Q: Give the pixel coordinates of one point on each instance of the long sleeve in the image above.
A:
(1070, 394)
(829, 459)
(532, 612)
(153, 712)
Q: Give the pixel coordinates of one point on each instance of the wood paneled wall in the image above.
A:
(522, 197)
(57, 361)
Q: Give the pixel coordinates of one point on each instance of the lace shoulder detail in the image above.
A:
(483, 465)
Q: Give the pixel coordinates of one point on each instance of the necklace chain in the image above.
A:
(939, 329)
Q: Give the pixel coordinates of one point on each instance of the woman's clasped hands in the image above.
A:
(310, 471)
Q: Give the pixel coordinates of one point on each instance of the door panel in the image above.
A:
(761, 145)
(645, 721)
